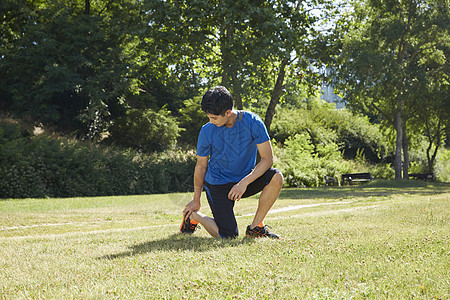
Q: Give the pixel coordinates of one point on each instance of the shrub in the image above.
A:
(326, 125)
(383, 171)
(302, 166)
(42, 166)
(442, 167)
(146, 130)
(355, 133)
(191, 119)
(288, 122)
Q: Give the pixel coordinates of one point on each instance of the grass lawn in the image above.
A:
(382, 240)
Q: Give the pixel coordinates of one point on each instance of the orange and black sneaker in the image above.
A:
(188, 226)
(261, 232)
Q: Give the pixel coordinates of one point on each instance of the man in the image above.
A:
(226, 157)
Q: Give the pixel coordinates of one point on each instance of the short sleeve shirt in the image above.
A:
(232, 151)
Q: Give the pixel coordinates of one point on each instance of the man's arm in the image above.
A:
(266, 154)
(199, 179)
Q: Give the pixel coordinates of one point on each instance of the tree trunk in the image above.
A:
(276, 94)
(237, 93)
(226, 35)
(229, 76)
(431, 160)
(398, 143)
(87, 7)
(405, 144)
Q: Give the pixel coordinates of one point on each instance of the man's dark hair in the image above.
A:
(217, 101)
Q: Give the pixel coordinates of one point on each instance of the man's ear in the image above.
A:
(228, 113)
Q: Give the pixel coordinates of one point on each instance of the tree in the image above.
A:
(386, 60)
(432, 116)
(65, 65)
(294, 38)
(245, 45)
(82, 65)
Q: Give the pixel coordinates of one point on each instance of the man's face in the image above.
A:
(219, 120)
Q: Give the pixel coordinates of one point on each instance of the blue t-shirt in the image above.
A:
(232, 151)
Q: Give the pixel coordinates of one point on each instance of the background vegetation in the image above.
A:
(102, 98)
(43, 166)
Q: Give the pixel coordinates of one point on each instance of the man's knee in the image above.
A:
(228, 235)
(277, 179)
(228, 230)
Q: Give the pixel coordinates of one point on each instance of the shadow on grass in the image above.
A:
(372, 189)
(180, 242)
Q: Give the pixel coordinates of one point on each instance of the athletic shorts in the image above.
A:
(222, 207)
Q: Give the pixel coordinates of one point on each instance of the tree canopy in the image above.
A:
(394, 62)
(81, 65)
(88, 67)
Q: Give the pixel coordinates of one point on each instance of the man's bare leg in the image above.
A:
(208, 223)
(267, 198)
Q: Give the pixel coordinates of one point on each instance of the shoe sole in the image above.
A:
(262, 236)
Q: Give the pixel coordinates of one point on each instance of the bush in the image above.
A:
(42, 166)
(326, 125)
(383, 171)
(355, 133)
(288, 122)
(146, 130)
(302, 166)
(442, 167)
(191, 119)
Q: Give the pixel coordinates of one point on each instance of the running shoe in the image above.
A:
(260, 232)
(187, 226)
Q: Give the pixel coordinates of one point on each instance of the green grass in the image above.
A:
(382, 240)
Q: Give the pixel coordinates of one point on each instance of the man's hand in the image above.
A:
(237, 191)
(266, 153)
(192, 206)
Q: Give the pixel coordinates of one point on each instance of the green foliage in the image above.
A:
(80, 65)
(355, 133)
(325, 125)
(313, 142)
(146, 130)
(42, 166)
(393, 63)
(303, 166)
(77, 65)
(191, 119)
(382, 171)
(66, 67)
(442, 168)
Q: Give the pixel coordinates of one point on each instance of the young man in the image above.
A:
(226, 157)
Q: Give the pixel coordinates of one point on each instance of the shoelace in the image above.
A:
(193, 227)
(262, 230)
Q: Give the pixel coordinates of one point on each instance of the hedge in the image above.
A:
(42, 166)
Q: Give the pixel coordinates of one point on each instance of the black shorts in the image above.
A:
(222, 207)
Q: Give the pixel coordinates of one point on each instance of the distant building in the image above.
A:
(328, 93)
(329, 96)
